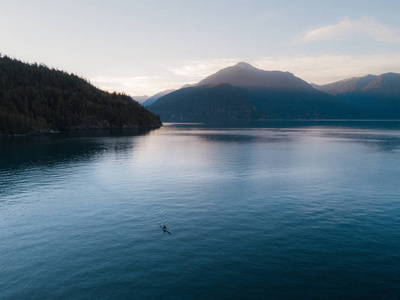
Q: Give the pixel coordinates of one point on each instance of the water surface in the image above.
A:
(272, 210)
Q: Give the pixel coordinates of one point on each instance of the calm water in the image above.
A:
(279, 210)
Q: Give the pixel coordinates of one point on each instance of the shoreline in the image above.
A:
(46, 132)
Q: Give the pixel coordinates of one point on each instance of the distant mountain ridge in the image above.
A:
(242, 92)
(346, 85)
(388, 82)
(378, 94)
(154, 98)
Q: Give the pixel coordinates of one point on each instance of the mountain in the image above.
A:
(155, 97)
(245, 75)
(35, 98)
(345, 86)
(380, 95)
(242, 92)
(140, 99)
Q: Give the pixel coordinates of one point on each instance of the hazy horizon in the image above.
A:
(142, 48)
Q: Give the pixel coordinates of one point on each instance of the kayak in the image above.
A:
(165, 229)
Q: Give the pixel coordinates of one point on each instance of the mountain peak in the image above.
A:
(245, 75)
(245, 66)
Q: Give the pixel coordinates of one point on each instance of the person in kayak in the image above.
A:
(164, 228)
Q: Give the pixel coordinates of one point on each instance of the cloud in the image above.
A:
(347, 29)
(137, 85)
(313, 69)
(170, 77)
(119, 83)
(197, 70)
(317, 69)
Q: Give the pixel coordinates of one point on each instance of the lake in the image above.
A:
(306, 210)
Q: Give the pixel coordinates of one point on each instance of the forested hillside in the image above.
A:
(36, 98)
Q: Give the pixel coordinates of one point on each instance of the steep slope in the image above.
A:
(34, 98)
(242, 92)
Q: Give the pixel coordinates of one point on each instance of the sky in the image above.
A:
(144, 47)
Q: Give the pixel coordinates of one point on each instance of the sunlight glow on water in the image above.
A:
(255, 213)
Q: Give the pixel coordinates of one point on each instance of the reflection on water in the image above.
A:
(388, 140)
(48, 157)
(384, 135)
(302, 210)
(356, 124)
(27, 151)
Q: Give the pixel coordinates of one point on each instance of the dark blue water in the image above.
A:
(306, 211)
